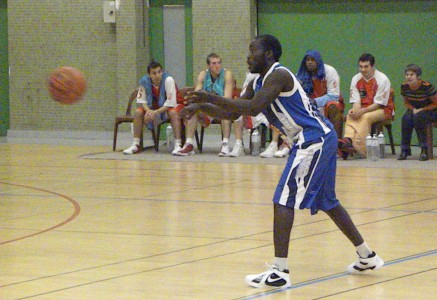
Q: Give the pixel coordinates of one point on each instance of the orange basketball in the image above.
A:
(67, 85)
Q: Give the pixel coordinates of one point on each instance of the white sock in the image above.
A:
(189, 141)
(137, 141)
(281, 263)
(178, 142)
(363, 250)
(226, 140)
(238, 142)
(274, 143)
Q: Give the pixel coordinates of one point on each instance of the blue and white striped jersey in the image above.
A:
(293, 114)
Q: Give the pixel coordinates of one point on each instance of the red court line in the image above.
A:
(72, 217)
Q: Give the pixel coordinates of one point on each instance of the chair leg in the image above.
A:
(390, 136)
(183, 134)
(263, 136)
(429, 140)
(196, 136)
(202, 132)
(141, 138)
(155, 137)
(114, 142)
(250, 141)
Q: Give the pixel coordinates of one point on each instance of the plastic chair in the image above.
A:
(126, 118)
(429, 139)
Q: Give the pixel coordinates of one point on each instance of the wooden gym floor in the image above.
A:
(73, 228)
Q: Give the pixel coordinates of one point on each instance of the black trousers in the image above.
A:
(418, 122)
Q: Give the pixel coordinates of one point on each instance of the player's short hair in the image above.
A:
(414, 68)
(212, 55)
(153, 65)
(269, 42)
(367, 57)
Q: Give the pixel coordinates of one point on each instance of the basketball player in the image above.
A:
(308, 180)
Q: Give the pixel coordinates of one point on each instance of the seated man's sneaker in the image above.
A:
(271, 278)
(282, 152)
(176, 149)
(373, 262)
(188, 149)
(132, 149)
(270, 151)
(237, 151)
(224, 151)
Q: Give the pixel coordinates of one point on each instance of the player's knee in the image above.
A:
(139, 111)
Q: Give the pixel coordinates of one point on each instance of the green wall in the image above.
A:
(4, 67)
(156, 19)
(395, 32)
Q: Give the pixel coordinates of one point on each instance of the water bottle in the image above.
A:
(369, 147)
(170, 138)
(256, 143)
(375, 148)
(381, 142)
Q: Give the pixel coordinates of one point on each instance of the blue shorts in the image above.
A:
(308, 180)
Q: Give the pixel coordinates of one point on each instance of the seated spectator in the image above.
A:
(369, 94)
(218, 80)
(156, 103)
(322, 85)
(420, 98)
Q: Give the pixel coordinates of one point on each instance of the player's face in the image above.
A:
(366, 69)
(311, 64)
(215, 65)
(156, 75)
(411, 77)
(256, 58)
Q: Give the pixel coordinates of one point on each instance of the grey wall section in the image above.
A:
(4, 76)
(174, 43)
(46, 34)
(395, 32)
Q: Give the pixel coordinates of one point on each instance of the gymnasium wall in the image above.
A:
(395, 32)
(225, 27)
(46, 34)
(49, 33)
(156, 19)
(4, 81)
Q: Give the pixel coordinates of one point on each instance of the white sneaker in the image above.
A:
(271, 278)
(373, 262)
(176, 149)
(224, 151)
(237, 151)
(187, 150)
(282, 152)
(132, 150)
(270, 151)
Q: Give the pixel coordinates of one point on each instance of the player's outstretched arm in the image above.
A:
(276, 83)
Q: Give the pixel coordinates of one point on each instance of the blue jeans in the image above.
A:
(418, 122)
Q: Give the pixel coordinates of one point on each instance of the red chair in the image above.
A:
(378, 126)
(429, 142)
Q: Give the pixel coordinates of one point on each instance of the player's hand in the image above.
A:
(417, 110)
(199, 97)
(150, 114)
(189, 110)
(356, 113)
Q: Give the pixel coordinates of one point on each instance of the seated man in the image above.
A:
(420, 98)
(369, 94)
(320, 82)
(220, 81)
(156, 103)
